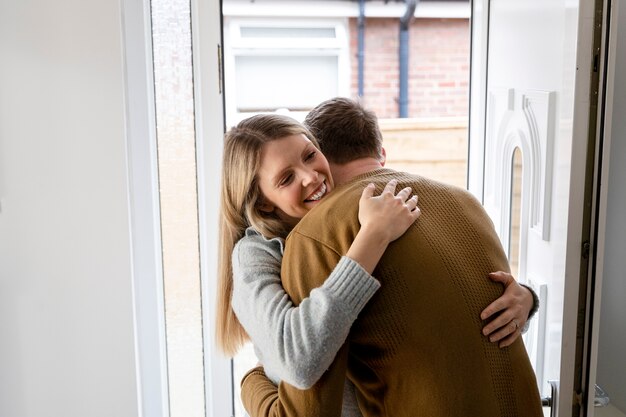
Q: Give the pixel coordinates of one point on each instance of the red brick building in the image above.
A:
(438, 66)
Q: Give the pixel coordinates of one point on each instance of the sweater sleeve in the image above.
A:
(534, 309)
(261, 398)
(324, 399)
(295, 343)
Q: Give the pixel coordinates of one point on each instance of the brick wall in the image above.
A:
(438, 66)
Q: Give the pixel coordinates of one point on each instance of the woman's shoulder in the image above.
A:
(254, 243)
(254, 253)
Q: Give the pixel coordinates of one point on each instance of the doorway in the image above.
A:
(560, 111)
(288, 57)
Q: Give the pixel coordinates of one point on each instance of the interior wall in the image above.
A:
(612, 343)
(66, 315)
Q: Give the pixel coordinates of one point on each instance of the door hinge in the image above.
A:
(578, 398)
(586, 249)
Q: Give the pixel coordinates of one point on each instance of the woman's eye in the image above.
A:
(286, 180)
(310, 155)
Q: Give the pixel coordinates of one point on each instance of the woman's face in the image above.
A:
(294, 176)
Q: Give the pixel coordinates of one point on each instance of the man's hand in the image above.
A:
(512, 309)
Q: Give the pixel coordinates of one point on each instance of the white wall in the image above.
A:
(612, 344)
(66, 320)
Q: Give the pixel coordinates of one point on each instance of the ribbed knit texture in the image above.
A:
(473, 294)
(416, 348)
(295, 344)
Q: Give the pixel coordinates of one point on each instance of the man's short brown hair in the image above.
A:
(345, 130)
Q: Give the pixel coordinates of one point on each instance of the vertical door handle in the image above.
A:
(550, 400)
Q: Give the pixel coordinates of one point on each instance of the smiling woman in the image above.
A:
(294, 175)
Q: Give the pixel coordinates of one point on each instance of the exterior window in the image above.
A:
(266, 60)
(267, 83)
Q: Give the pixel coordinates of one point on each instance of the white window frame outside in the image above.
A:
(236, 46)
(206, 32)
(345, 8)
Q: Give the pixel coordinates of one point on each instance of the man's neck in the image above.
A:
(343, 173)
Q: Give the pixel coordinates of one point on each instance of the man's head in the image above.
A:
(345, 131)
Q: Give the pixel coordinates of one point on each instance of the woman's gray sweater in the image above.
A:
(294, 344)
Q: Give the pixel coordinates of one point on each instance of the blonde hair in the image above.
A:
(239, 207)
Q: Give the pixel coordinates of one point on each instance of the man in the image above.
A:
(418, 347)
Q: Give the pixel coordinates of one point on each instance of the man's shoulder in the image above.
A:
(339, 210)
(421, 183)
(417, 182)
(433, 196)
(334, 218)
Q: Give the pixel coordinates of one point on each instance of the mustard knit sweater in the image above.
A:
(416, 348)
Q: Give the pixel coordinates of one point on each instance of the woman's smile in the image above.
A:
(320, 192)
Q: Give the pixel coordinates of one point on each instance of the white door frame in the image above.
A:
(144, 208)
(478, 95)
(607, 67)
(206, 32)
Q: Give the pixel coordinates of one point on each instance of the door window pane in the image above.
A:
(178, 201)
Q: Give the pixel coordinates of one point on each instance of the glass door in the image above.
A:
(530, 88)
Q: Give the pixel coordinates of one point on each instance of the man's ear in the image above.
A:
(383, 153)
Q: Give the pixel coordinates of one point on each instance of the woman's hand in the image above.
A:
(383, 219)
(512, 309)
(388, 215)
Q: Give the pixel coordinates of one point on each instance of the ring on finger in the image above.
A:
(515, 324)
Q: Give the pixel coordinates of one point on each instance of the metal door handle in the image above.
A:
(550, 399)
(601, 399)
